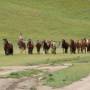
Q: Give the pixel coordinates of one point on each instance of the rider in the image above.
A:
(21, 38)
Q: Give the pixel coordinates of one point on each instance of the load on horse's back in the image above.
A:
(21, 43)
(53, 47)
(8, 47)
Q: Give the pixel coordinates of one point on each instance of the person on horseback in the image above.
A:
(21, 44)
(20, 37)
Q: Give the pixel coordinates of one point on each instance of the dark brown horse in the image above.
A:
(88, 46)
(65, 46)
(38, 46)
(46, 46)
(30, 47)
(72, 46)
(8, 47)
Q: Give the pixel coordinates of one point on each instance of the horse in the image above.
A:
(65, 46)
(78, 46)
(83, 45)
(38, 46)
(30, 47)
(46, 46)
(22, 46)
(72, 46)
(8, 47)
(88, 46)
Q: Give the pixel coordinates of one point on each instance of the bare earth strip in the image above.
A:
(24, 83)
(29, 83)
(10, 69)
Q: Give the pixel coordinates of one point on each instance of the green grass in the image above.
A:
(45, 19)
(68, 76)
(21, 74)
(19, 59)
(80, 68)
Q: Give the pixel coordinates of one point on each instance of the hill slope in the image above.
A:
(45, 19)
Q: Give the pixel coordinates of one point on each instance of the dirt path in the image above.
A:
(10, 69)
(34, 83)
(25, 83)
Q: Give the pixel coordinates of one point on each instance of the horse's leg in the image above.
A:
(85, 50)
(25, 51)
(21, 50)
(81, 50)
(32, 51)
(63, 50)
(6, 52)
(29, 52)
(45, 51)
(77, 50)
(11, 51)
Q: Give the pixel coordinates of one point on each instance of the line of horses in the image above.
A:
(79, 46)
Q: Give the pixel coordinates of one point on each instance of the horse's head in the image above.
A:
(5, 40)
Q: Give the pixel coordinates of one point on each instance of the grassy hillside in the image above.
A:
(45, 19)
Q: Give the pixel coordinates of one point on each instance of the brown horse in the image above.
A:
(22, 46)
(72, 46)
(38, 46)
(8, 47)
(83, 46)
(88, 46)
(46, 46)
(78, 46)
(30, 47)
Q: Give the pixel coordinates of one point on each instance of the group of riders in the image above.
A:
(79, 46)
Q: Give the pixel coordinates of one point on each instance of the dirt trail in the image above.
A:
(25, 83)
(29, 83)
(10, 69)
(34, 83)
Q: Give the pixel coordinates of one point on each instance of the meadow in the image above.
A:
(46, 19)
(49, 19)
